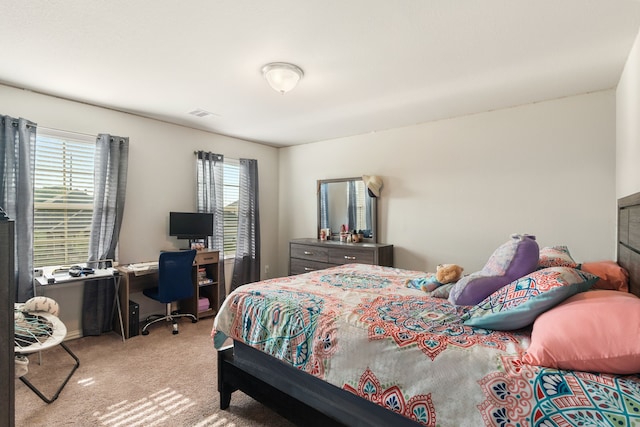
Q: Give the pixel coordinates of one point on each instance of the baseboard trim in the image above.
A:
(72, 335)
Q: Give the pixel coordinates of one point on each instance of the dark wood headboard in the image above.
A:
(629, 239)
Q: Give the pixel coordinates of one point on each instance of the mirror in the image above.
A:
(347, 201)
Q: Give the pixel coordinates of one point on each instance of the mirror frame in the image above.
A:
(374, 210)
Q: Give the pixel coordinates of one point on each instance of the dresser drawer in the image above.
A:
(309, 252)
(206, 257)
(299, 266)
(351, 255)
(312, 254)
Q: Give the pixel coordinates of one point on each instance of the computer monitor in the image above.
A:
(190, 225)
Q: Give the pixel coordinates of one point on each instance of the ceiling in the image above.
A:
(369, 65)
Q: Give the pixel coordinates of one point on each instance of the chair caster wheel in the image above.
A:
(175, 332)
(194, 320)
(145, 332)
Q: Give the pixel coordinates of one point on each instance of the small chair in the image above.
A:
(175, 282)
(37, 328)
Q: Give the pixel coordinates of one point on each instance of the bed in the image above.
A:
(360, 345)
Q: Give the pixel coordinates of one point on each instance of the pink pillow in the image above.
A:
(594, 331)
(612, 275)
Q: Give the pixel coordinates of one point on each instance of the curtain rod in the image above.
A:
(220, 156)
(68, 131)
(14, 122)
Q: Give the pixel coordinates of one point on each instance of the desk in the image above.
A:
(205, 286)
(63, 278)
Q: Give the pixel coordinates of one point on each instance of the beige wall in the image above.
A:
(456, 189)
(453, 189)
(628, 125)
(161, 175)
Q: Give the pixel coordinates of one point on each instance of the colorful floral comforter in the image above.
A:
(361, 328)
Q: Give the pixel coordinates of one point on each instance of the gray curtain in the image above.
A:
(246, 267)
(324, 206)
(352, 205)
(110, 184)
(210, 198)
(17, 166)
(368, 226)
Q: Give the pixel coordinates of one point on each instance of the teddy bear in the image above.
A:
(445, 273)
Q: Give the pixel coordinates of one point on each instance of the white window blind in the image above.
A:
(63, 197)
(231, 191)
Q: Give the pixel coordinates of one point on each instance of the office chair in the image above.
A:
(175, 282)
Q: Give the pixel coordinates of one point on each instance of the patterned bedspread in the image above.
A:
(361, 328)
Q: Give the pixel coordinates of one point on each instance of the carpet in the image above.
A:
(156, 380)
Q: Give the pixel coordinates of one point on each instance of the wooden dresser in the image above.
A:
(312, 254)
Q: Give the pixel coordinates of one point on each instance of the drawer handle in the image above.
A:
(308, 253)
(309, 269)
(349, 257)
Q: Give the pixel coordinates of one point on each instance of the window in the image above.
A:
(361, 210)
(63, 197)
(231, 192)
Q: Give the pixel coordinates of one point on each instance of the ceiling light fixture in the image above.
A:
(282, 76)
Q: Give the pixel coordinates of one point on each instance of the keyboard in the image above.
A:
(144, 266)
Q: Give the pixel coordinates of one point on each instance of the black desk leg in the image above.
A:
(55, 396)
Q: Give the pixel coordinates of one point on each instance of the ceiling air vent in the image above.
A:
(198, 112)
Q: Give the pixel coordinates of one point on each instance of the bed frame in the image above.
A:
(629, 239)
(307, 400)
(301, 398)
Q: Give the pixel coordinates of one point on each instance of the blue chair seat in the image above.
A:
(175, 282)
(154, 293)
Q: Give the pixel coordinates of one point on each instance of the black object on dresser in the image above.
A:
(312, 254)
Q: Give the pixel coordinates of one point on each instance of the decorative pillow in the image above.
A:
(593, 331)
(612, 275)
(518, 304)
(42, 303)
(513, 259)
(556, 256)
